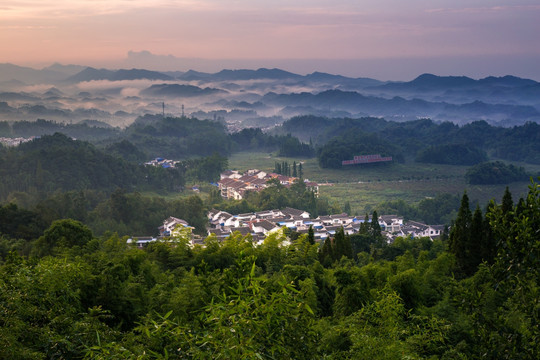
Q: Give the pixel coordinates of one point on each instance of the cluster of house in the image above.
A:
(171, 227)
(261, 224)
(161, 162)
(15, 141)
(234, 185)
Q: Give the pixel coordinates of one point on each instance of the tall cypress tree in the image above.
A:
(326, 256)
(507, 206)
(489, 245)
(347, 208)
(460, 234)
(365, 226)
(476, 242)
(507, 202)
(342, 245)
(375, 227)
(311, 235)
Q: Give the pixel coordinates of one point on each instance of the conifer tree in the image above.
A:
(347, 208)
(311, 235)
(364, 227)
(507, 206)
(342, 245)
(375, 227)
(460, 234)
(294, 172)
(476, 242)
(326, 255)
(489, 245)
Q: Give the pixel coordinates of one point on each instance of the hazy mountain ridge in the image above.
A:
(68, 93)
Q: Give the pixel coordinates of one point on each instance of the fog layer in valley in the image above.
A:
(256, 98)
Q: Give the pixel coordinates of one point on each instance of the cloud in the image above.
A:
(483, 10)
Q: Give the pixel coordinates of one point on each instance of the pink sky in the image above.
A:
(101, 33)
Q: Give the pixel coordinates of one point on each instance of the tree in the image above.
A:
(460, 235)
(311, 235)
(476, 241)
(63, 234)
(341, 245)
(326, 256)
(347, 208)
(375, 228)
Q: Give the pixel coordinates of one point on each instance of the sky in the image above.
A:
(384, 39)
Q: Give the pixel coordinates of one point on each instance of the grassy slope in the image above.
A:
(365, 188)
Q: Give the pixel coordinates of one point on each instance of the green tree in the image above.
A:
(63, 234)
(460, 236)
(375, 228)
(311, 235)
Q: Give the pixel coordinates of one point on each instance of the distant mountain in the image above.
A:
(176, 90)
(400, 108)
(318, 78)
(17, 96)
(90, 74)
(243, 74)
(341, 81)
(53, 92)
(65, 69)
(430, 82)
(135, 74)
(28, 75)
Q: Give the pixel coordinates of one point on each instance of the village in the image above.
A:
(258, 225)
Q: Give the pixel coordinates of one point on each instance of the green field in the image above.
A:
(366, 187)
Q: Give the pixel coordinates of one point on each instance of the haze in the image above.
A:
(384, 39)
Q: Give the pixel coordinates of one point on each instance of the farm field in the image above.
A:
(366, 187)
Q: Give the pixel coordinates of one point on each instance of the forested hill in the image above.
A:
(57, 162)
(470, 295)
(519, 143)
(178, 137)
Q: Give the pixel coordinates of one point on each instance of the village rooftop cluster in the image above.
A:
(263, 223)
(234, 185)
(6, 141)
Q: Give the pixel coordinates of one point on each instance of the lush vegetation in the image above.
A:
(474, 295)
(351, 143)
(275, 196)
(90, 131)
(495, 173)
(519, 143)
(56, 162)
(451, 154)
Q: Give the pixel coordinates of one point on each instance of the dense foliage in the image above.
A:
(292, 147)
(276, 196)
(495, 172)
(353, 142)
(519, 143)
(98, 298)
(452, 154)
(438, 210)
(56, 162)
(90, 131)
(178, 138)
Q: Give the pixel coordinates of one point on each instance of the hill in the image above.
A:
(57, 162)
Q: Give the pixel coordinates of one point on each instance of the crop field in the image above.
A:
(366, 187)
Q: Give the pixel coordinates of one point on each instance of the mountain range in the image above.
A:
(76, 93)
